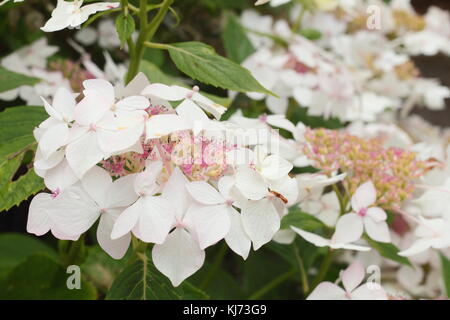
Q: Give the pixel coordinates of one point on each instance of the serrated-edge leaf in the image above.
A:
(200, 62)
(125, 26)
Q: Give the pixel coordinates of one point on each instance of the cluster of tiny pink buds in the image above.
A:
(72, 71)
(392, 170)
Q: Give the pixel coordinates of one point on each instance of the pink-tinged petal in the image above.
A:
(205, 193)
(211, 223)
(91, 109)
(128, 219)
(133, 103)
(369, 291)
(53, 138)
(364, 196)
(96, 183)
(178, 257)
(115, 248)
(156, 219)
(236, 238)
(261, 221)
(121, 193)
(84, 153)
(353, 276)
(377, 214)
(38, 220)
(316, 240)
(74, 212)
(378, 231)
(250, 183)
(327, 291)
(162, 91)
(349, 228)
(163, 124)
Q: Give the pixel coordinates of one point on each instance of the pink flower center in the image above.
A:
(348, 295)
(93, 127)
(56, 193)
(362, 212)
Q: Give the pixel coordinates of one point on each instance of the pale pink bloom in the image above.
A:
(351, 278)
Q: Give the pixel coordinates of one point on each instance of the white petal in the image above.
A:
(250, 183)
(128, 219)
(38, 219)
(191, 112)
(211, 223)
(204, 193)
(121, 193)
(96, 183)
(353, 276)
(378, 231)
(224, 185)
(285, 236)
(178, 257)
(163, 124)
(146, 181)
(133, 103)
(91, 109)
(156, 219)
(417, 247)
(376, 214)
(175, 191)
(115, 248)
(364, 196)
(60, 177)
(369, 291)
(74, 212)
(84, 153)
(327, 291)
(64, 103)
(53, 138)
(165, 92)
(237, 239)
(312, 238)
(275, 167)
(281, 122)
(260, 220)
(349, 228)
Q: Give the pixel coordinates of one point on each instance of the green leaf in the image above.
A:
(237, 45)
(311, 34)
(16, 128)
(142, 281)
(10, 80)
(388, 250)
(17, 191)
(16, 247)
(16, 138)
(301, 220)
(154, 74)
(446, 273)
(101, 269)
(42, 277)
(200, 62)
(125, 27)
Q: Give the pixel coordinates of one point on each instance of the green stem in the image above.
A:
(298, 22)
(326, 262)
(147, 31)
(301, 265)
(215, 267)
(272, 284)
